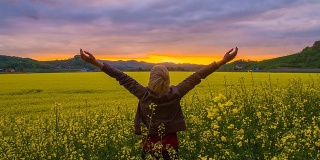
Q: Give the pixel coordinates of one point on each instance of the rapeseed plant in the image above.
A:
(245, 121)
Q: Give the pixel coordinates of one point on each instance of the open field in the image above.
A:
(38, 92)
(229, 116)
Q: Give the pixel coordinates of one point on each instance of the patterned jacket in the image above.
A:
(167, 108)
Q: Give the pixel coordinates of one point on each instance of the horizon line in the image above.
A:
(153, 59)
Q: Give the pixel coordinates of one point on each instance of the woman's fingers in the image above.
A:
(235, 51)
(81, 52)
(83, 56)
(230, 51)
(90, 55)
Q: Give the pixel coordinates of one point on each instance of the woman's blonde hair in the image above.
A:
(159, 79)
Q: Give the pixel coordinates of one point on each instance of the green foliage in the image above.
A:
(229, 116)
(308, 58)
(21, 64)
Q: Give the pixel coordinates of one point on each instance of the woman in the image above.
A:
(159, 116)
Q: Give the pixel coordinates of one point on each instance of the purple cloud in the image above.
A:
(147, 26)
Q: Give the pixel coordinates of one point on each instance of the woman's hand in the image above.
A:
(89, 58)
(228, 57)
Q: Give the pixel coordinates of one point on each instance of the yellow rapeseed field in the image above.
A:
(228, 115)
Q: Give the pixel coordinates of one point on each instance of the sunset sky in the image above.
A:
(180, 31)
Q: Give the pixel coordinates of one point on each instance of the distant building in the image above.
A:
(237, 67)
(84, 70)
(10, 70)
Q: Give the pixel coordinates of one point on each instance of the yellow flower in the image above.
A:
(241, 131)
(231, 126)
(215, 133)
(219, 145)
(221, 105)
(259, 114)
(212, 113)
(215, 126)
(219, 97)
(229, 103)
(223, 139)
(235, 111)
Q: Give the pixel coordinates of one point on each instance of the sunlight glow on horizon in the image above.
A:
(203, 60)
(172, 59)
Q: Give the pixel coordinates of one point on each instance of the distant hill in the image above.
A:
(77, 64)
(308, 58)
(20, 64)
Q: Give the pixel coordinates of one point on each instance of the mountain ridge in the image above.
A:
(308, 58)
(76, 64)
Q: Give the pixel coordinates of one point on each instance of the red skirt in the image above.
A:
(168, 140)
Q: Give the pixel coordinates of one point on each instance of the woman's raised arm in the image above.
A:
(128, 82)
(190, 82)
